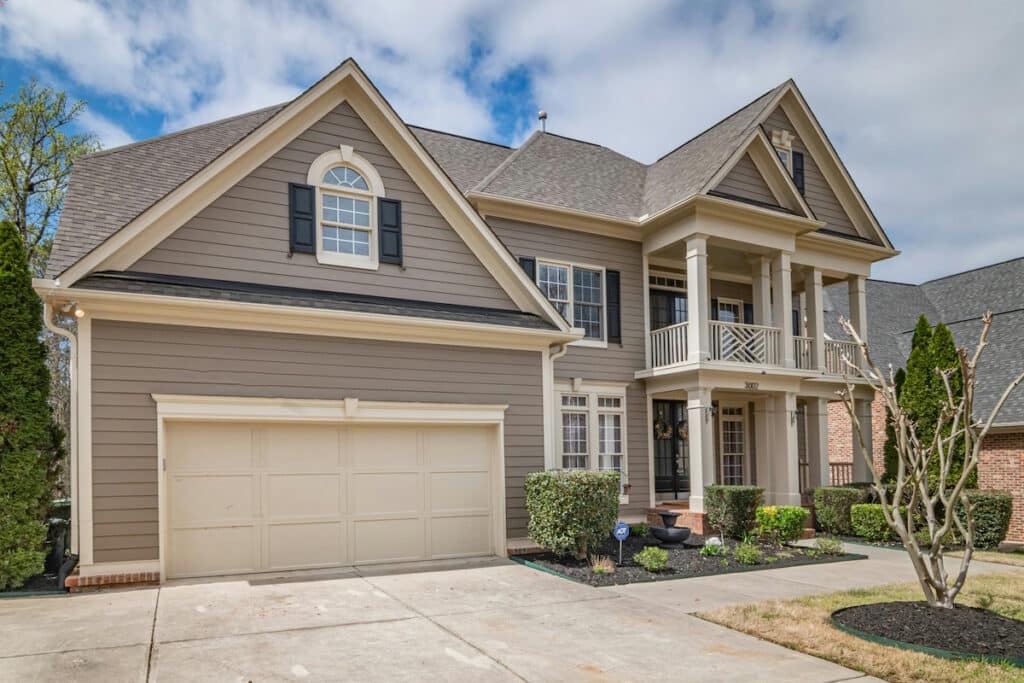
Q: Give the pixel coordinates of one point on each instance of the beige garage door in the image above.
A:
(245, 497)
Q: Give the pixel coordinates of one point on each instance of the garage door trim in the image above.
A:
(184, 408)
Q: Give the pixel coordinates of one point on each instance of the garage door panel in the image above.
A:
(222, 550)
(300, 446)
(382, 447)
(213, 446)
(319, 544)
(389, 540)
(391, 493)
(458, 447)
(459, 491)
(289, 496)
(460, 536)
(213, 499)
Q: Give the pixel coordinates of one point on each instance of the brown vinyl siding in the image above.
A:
(817, 192)
(618, 362)
(133, 360)
(243, 235)
(744, 180)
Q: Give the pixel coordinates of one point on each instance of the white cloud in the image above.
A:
(922, 98)
(109, 133)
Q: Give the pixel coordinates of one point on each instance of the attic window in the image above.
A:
(782, 141)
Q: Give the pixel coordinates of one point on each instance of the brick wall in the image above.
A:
(840, 433)
(1001, 467)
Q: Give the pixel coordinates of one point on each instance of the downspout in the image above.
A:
(553, 353)
(72, 417)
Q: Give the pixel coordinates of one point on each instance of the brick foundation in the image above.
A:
(79, 584)
(694, 520)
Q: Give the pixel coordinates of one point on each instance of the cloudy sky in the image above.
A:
(924, 100)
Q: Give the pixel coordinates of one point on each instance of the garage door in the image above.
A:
(245, 497)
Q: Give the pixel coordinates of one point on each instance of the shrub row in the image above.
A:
(781, 523)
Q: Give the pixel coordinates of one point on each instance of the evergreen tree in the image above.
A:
(944, 356)
(29, 438)
(891, 456)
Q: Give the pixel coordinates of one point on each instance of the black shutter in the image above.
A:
(714, 309)
(798, 171)
(748, 314)
(302, 222)
(529, 265)
(389, 224)
(611, 283)
(796, 322)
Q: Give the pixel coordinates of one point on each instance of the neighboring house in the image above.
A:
(313, 335)
(958, 301)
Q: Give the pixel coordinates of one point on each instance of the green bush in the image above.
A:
(748, 553)
(652, 558)
(832, 507)
(732, 510)
(639, 530)
(781, 523)
(869, 523)
(992, 510)
(30, 441)
(712, 550)
(572, 511)
(827, 545)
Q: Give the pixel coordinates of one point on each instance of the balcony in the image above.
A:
(668, 345)
(836, 351)
(742, 343)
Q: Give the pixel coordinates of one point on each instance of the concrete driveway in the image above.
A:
(493, 620)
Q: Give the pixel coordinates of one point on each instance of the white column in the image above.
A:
(785, 482)
(698, 298)
(817, 442)
(701, 439)
(761, 276)
(815, 315)
(782, 305)
(861, 469)
(858, 305)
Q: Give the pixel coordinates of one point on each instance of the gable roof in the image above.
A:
(111, 189)
(957, 301)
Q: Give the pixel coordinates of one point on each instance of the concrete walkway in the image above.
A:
(492, 620)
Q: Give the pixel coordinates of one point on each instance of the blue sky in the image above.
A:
(923, 99)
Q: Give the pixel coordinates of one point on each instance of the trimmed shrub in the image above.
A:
(992, 510)
(30, 441)
(781, 523)
(832, 508)
(827, 545)
(732, 510)
(639, 530)
(869, 523)
(652, 558)
(712, 550)
(748, 553)
(572, 511)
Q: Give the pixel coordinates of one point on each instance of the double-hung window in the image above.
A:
(609, 432)
(578, 294)
(592, 423)
(575, 433)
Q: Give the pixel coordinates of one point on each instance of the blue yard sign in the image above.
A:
(621, 533)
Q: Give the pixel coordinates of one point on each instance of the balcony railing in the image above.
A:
(740, 343)
(836, 351)
(840, 473)
(668, 345)
(803, 352)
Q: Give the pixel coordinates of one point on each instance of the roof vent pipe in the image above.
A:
(542, 116)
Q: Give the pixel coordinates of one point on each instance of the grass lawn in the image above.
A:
(804, 625)
(1016, 558)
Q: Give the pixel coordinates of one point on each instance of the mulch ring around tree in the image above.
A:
(961, 632)
(684, 561)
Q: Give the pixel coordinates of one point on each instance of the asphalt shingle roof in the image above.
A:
(958, 301)
(465, 160)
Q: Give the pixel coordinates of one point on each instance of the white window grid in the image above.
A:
(733, 439)
(578, 293)
(346, 216)
(593, 431)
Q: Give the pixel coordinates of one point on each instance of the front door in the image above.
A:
(671, 457)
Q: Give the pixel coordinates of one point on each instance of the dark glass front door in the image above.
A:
(667, 308)
(671, 459)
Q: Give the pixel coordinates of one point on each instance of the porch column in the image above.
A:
(785, 481)
(817, 442)
(698, 298)
(761, 276)
(861, 469)
(701, 439)
(815, 316)
(782, 306)
(858, 305)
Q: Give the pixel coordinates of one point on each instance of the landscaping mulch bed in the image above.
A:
(962, 631)
(685, 561)
(41, 583)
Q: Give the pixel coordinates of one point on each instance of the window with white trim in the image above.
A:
(578, 293)
(593, 429)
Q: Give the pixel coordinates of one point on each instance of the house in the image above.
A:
(958, 301)
(313, 335)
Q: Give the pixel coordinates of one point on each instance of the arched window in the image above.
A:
(347, 188)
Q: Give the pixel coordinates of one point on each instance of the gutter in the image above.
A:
(72, 418)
